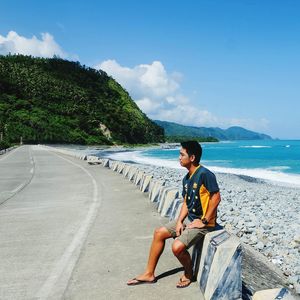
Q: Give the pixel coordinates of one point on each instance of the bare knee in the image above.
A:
(161, 233)
(178, 248)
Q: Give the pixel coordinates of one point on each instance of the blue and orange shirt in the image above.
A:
(197, 191)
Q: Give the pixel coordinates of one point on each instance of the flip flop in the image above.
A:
(187, 281)
(139, 281)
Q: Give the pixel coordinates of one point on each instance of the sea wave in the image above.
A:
(278, 168)
(255, 146)
(272, 175)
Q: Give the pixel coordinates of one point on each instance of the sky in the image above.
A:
(213, 63)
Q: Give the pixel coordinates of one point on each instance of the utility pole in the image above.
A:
(21, 140)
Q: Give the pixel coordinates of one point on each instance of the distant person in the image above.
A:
(201, 198)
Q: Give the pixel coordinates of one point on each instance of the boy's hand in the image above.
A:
(197, 223)
(179, 228)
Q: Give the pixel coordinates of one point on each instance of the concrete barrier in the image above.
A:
(132, 173)
(162, 195)
(105, 163)
(111, 164)
(174, 208)
(144, 187)
(138, 177)
(220, 270)
(274, 294)
(93, 160)
(120, 168)
(177, 211)
(155, 191)
(115, 166)
(126, 170)
(166, 203)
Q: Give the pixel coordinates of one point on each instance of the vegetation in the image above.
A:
(181, 138)
(4, 144)
(58, 101)
(232, 133)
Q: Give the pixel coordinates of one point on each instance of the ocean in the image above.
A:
(274, 160)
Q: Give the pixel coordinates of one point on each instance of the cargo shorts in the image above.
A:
(189, 236)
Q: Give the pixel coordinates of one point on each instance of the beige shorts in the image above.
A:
(189, 236)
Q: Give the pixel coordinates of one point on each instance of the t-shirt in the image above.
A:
(197, 190)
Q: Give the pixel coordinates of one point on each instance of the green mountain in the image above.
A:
(232, 133)
(58, 101)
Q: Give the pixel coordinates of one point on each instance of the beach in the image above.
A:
(263, 214)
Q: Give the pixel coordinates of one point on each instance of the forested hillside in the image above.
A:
(232, 133)
(58, 101)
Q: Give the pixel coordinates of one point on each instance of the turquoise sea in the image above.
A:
(275, 160)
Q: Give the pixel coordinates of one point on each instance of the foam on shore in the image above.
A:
(272, 175)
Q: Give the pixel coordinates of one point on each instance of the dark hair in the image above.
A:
(193, 148)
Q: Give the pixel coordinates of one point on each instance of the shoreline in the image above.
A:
(290, 180)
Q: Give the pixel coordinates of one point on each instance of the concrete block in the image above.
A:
(93, 160)
(274, 294)
(115, 166)
(177, 211)
(154, 194)
(105, 163)
(132, 173)
(174, 208)
(144, 187)
(138, 178)
(120, 167)
(162, 195)
(111, 164)
(126, 170)
(167, 202)
(220, 270)
(151, 185)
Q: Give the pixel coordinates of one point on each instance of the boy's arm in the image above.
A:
(182, 216)
(210, 213)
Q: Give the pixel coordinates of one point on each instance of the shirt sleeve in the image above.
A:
(210, 182)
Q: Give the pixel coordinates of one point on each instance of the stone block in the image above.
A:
(138, 177)
(174, 208)
(115, 166)
(170, 197)
(162, 195)
(105, 163)
(177, 211)
(274, 294)
(120, 167)
(126, 170)
(220, 269)
(132, 173)
(144, 187)
(155, 191)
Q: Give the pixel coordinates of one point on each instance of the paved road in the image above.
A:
(73, 231)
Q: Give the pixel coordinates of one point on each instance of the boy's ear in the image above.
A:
(192, 158)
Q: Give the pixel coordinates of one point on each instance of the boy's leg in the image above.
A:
(180, 251)
(188, 238)
(157, 247)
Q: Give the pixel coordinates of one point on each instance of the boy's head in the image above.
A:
(193, 148)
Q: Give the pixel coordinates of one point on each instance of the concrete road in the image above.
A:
(73, 231)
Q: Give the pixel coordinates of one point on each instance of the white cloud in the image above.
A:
(158, 94)
(44, 47)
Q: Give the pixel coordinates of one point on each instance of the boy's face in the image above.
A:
(184, 159)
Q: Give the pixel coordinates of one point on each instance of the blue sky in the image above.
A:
(203, 63)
